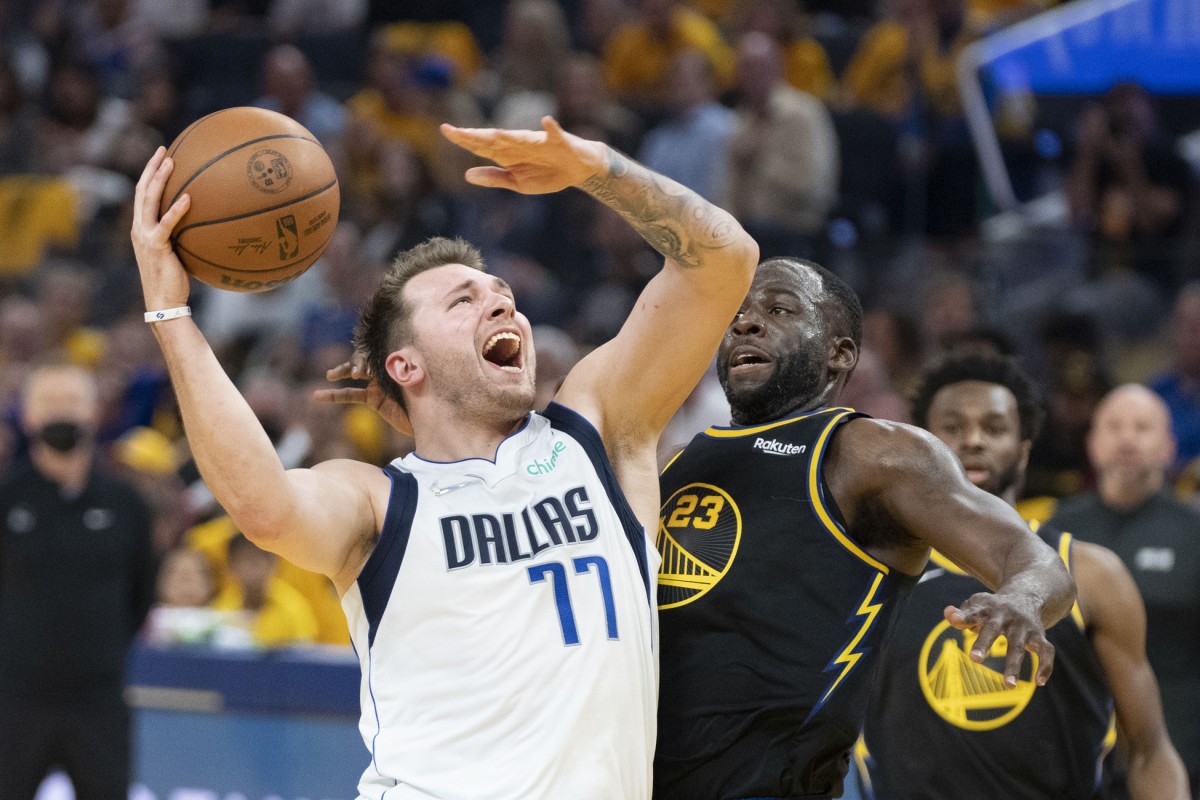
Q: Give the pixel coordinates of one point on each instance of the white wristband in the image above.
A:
(169, 313)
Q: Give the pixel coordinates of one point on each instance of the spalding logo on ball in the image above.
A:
(264, 194)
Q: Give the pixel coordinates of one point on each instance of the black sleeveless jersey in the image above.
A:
(941, 726)
(770, 617)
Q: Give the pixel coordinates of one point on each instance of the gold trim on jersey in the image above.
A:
(814, 493)
(674, 458)
(848, 657)
(733, 433)
(703, 516)
(1064, 552)
(862, 757)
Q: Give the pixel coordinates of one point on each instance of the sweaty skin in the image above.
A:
(899, 488)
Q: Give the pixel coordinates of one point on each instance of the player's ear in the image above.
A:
(404, 366)
(843, 355)
(1026, 449)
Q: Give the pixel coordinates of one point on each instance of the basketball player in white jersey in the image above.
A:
(499, 580)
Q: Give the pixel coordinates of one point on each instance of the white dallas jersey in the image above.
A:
(506, 629)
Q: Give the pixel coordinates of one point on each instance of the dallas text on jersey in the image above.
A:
(508, 538)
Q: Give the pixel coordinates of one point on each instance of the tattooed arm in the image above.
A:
(639, 379)
(631, 386)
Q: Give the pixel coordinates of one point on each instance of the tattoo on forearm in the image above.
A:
(676, 221)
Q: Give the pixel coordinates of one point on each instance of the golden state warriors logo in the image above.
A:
(969, 695)
(699, 528)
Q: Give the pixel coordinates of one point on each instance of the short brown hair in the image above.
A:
(385, 324)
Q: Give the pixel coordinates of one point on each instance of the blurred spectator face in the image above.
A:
(1130, 442)
(157, 101)
(22, 331)
(11, 96)
(535, 27)
(758, 69)
(1130, 112)
(656, 15)
(1185, 331)
(401, 173)
(769, 17)
(580, 88)
(75, 96)
(272, 401)
(690, 83)
(287, 77)
(111, 13)
(185, 580)
(60, 408)
(600, 19)
(251, 567)
(65, 295)
(949, 309)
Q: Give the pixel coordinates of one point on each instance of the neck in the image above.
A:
(1009, 496)
(68, 470)
(1127, 495)
(445, 437)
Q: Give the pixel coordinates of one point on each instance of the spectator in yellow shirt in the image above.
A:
(278, 615)
(637, 59)
(915, 51)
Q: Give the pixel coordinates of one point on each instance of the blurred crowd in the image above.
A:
(832, 130)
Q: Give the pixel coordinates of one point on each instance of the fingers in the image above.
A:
(344, 396)
(1045, 653)
(152, 196)
(139, 193)
(175, 213)
(492, 177)
(479, 141)
(356, 369)
(955, 617)
(1012, 660)
(989, 630)
(554, 131)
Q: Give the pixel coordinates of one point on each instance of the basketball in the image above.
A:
(264, 195)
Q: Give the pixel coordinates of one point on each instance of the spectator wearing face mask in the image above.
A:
(76, 581)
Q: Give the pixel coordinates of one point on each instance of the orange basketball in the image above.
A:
(264, 195)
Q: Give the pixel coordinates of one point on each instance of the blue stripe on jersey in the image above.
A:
(582, 431)
(378, 575)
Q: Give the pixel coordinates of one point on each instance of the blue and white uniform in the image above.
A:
(506, 629)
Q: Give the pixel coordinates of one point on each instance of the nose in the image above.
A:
(972, 438)
(746, 325)
(500, 305)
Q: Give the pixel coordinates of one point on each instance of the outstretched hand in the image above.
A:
(370, 395)
(530, 162)
(993, 615)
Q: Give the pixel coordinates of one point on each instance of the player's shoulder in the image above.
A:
(885, 442)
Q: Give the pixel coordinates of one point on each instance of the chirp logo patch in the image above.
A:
(699, 528)
(969, 695)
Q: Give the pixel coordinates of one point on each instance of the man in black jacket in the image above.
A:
(76, 580)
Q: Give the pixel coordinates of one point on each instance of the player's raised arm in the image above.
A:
(319, 519)
(633, 384)
(918, 485)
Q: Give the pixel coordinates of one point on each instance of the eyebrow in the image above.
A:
(469, 283)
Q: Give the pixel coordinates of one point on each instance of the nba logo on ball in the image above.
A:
(256, 178)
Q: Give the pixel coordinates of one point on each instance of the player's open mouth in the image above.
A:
(977, 473)
(504, 350)
(746, 359)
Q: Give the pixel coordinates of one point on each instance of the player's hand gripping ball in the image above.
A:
(264, 195)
